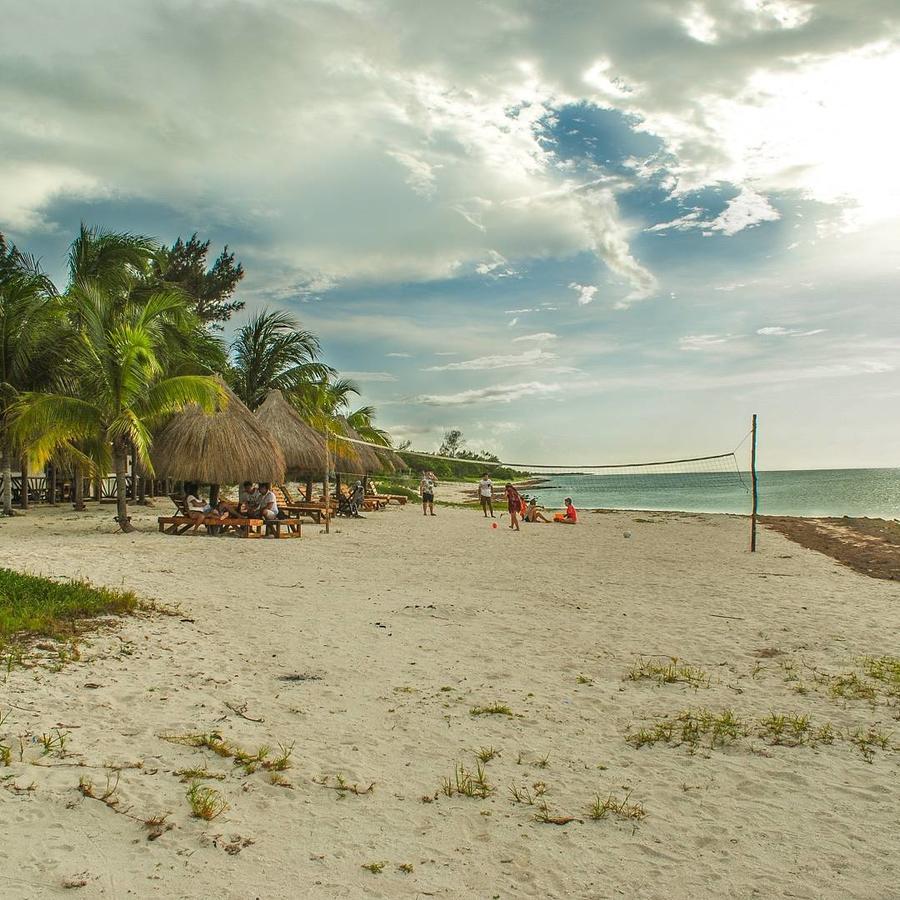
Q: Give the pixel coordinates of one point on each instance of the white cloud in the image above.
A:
(369, 376)
(585, 292)
(495, 394)
(420, 175)
(745, 210)
(399, 355)
(704, 341)
(483, 363)
(540, 336)
(513, 322)
(779, 331)
(497, 266)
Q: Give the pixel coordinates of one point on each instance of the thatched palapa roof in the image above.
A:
(227, 447)
(353, 458)
(303, 448)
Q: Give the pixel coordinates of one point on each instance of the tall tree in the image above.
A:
(211, 289)
(122, 390)
(272, 351)
(28, 320)
(452, 443)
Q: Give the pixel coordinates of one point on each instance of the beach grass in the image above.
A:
(31, 606)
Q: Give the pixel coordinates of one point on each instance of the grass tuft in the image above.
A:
(600, 809)
(206, 802)
(494, 709)
(671, 672)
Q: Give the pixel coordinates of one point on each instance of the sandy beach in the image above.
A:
(370, 652)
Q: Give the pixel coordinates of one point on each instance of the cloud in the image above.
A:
(420, 175)
(370, 376)
(540, 336)
(399, 355)
(745, 210)
(779, 331)
(495, 266)
(513, 322)
(483, 363)
(493, 394)
(704, 341)
(585, 292)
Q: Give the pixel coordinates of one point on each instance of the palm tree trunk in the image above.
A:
(7, 482)
(78, 488)
(23, 494)
(120, 463)
(142, 489)
(51, 485)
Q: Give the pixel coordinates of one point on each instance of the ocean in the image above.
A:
(816, 492)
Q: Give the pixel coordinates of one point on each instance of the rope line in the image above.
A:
(531, 466)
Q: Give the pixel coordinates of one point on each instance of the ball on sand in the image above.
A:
(627, 534)
(493, 524)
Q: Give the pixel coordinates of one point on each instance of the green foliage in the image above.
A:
(30, 605)
(272, 352)
(210, 289)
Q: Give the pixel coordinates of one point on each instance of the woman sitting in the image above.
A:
(569, 517)
(198, 509)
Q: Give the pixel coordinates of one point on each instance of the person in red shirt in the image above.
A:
(513, 504)
(570, 517)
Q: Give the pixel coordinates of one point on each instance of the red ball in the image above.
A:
(493, 524)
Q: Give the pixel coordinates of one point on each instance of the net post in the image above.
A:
(326, 488)
(754, 484)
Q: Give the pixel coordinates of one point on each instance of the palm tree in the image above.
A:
(27, 318)
(272, 351)
(116, 362)
(362, 421)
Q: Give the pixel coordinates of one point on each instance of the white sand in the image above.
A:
(385, 614)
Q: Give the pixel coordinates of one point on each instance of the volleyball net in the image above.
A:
(708, 483)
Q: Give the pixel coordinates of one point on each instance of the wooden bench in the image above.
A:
(282, 528)
(245, 528)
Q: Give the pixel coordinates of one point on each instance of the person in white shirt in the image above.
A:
(486, 495)
(249, 498)
(268, 505)
(426, 489)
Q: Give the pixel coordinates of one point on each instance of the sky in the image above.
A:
(577, 231)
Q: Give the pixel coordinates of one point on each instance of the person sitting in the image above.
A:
(198, 509)
(569, 517)
(533, 514)
(268, 505)
(248, 498)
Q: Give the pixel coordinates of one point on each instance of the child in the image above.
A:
(570, 517)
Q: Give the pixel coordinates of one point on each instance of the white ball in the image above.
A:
(627, 534)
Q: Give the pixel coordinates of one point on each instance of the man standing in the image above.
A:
(486, 495)
(426, 489)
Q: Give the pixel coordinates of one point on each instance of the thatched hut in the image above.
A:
(303, 447)
(227, 447)
(354, 458)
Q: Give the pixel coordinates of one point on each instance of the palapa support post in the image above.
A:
(326, 488)
(754, 484)
(51, 485)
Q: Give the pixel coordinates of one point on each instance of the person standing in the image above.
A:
(513, 504)
(486, 495)
(426, 489)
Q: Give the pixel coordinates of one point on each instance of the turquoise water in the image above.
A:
(817, 492)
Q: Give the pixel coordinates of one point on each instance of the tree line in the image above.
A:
(90, 372)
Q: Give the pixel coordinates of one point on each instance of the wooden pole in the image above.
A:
(326, 486)
(755, 487)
